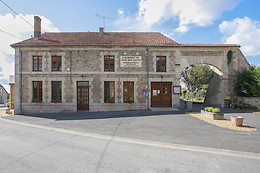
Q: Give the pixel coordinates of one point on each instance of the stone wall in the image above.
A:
(215, 94)
(11, 97)
(87, 64)
(254, 101)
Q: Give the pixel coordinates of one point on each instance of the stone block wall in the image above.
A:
(87, 64)
(254, 101)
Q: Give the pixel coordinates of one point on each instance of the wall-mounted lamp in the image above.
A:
(124, 53)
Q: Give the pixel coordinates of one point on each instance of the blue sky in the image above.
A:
(185, 21)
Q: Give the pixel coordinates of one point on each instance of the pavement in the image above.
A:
(126, 141)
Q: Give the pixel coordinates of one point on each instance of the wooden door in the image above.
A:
(83, 97)
(161, 94)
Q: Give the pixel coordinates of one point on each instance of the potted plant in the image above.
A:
(129, 101)
(36, 101)
(56, 101)
(212, 113)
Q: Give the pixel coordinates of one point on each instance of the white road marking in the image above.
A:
(224, 152)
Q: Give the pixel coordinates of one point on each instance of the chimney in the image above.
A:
(101, 31)
(37, 27)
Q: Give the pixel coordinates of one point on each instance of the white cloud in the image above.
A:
(182, 29)
(15, 26)
(120, 11)
(242, 31)
(187, 12)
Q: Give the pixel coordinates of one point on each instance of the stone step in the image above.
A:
(165, 109)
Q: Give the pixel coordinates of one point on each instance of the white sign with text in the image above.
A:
(130, 61)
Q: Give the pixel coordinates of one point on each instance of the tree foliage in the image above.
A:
(248, 83)
(196, 76)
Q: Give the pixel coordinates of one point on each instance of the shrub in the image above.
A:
(207, 109)
(248, 83)
(210, 109)
(216, 110)
(7, 104)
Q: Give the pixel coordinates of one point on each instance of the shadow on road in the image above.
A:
(85, 115)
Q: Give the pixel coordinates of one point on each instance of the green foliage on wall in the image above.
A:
(229, 56)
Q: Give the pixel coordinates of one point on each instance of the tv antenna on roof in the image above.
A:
(104, 18)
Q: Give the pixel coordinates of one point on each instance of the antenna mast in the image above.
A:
(104, 18)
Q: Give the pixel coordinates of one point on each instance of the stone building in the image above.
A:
(105, 71)
(3, 95)
(11, 95)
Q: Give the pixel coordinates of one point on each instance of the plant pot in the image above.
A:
(237, 120)
(212, 115)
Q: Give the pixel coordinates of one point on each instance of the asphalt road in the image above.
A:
(37, 144)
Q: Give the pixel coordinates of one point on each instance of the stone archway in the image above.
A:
(217, 57)
(214, 95)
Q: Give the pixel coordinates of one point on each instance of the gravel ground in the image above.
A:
(224, 123)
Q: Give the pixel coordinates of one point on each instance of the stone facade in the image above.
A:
(3, 95)
(86, 63)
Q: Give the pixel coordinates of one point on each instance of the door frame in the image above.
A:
(152, 105)
(78, 94)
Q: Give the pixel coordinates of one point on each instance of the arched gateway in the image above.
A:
(222, 83)
(105, 71)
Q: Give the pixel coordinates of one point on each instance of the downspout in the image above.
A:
(20, 76)
(70, 67)
(147, 66)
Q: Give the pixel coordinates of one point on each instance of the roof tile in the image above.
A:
(109, 39)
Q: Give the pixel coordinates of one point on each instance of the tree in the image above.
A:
(196, 76)
(248, 83)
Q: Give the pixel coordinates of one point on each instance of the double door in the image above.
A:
(161, 94)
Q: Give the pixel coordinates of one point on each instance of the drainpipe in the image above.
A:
(70, 66)
(147, 66)
(20, 76)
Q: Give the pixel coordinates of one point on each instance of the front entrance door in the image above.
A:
(161, 94)
(82, 96)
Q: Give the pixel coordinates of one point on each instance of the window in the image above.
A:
(161, 63)
(37, 63)
(109, 63)
(56, 91)
(56, 63)
(128, 89)
(37, 92)
(109, 92)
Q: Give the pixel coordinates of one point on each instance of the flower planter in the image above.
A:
(237, 120)
(212, 115)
